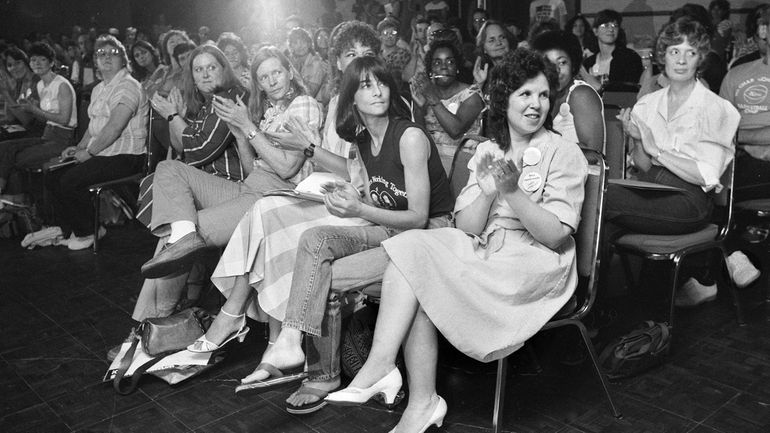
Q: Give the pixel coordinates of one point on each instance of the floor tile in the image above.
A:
(38, 419)
(746, 414)
(148, 418)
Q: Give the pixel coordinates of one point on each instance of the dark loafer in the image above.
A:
(175, 257)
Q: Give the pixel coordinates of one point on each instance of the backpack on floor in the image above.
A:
(641, 349)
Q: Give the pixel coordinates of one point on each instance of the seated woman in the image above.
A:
(491, 283)
(196, 209)
(168, 75)
(492, 43)
(577, 112)
(406, 188)
(203, 141)
(111, 148)
(306, 61)
(682, 136)
(19, 88)
(235, 51)
(613, 65)
(56, 108)
(144, 60)
(579, 26)
(447, 107)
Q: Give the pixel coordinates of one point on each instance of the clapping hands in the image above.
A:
(497, 175)
(342, 199)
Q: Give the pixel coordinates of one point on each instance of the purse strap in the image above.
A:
(125, 363)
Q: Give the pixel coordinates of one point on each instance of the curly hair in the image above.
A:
(344, 37)
(675, 33)
(561, 40)
(42, 49)
(230, 38)
(435, 45)
(514, 70)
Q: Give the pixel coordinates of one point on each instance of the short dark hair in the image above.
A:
(516, 68)
(724, 5)
(342, 38)
(607, 16)
(695, 12)
(435, 45)
(388, 22)
(561, 40)
(348, 122)
(42, 49)
(183, 48)
(17, 54)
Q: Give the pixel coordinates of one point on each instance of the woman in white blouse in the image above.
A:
(681, 136)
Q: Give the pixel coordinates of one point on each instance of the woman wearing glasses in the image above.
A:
(448, 108)
(614, 63)
(396, 58)
(111, 148)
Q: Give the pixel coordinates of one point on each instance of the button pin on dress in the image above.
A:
(531, 156)
(531, 181)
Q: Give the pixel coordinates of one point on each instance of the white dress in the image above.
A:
(489, 294)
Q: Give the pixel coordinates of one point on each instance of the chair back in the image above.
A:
(723, 201)
(155, 150)
(588, 235)
(615, 144)
(459, 173)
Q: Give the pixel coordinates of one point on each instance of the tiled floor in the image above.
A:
(60, 311)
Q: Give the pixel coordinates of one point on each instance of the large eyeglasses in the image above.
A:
(449, 62)
(608, 26)
(390, 33)
(479, 20)
(107, 52)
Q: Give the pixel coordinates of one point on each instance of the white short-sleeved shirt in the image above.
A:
(701, 130)
(122, 89)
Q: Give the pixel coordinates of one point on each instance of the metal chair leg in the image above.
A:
(595, 362)
(502, 373)
(96, 198)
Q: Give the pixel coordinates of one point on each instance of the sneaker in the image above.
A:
(693, 293)
(76, 243)
(41, 237)
(742, 271)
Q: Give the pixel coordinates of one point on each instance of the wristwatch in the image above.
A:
(309, 151)
(171, 117)
(252, 134)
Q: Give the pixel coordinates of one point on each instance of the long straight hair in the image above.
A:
(191, 94)
(350, 126)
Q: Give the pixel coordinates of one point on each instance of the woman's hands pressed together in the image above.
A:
(299, 137)
(343, 200)
(174, 103)
(497, 175)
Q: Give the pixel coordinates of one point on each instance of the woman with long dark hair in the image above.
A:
(491, 283)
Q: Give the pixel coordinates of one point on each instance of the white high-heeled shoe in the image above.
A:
(437, 417)
(203, 345)
(388, 387)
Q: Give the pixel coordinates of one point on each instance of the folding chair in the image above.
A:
(675, 248)
(587, 240)
(152, 157)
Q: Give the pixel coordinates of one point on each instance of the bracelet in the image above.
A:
(252, 135)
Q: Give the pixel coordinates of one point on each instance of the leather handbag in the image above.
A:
(160, 336)
(170, 334)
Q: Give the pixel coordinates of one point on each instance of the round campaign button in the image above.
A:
(531, 181)
(531, 156)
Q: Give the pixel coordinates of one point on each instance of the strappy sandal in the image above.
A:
(204, 345)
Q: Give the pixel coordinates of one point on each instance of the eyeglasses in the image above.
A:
(479, 20)
(608, 26)
(449, 61)
(389, 32)
(111, 52)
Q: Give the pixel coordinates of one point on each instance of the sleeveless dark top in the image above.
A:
(387, 187)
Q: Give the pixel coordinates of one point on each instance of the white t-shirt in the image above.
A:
(49, 99)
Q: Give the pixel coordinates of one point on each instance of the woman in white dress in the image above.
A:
(506, 269)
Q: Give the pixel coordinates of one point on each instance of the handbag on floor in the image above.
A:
(644, 347)
(157, 347)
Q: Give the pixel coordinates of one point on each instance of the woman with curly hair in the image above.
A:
(521, 206)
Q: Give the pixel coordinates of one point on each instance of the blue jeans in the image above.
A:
(313, 308)
(310, 308)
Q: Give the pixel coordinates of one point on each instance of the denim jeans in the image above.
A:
(311, 305)
(656, 212)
